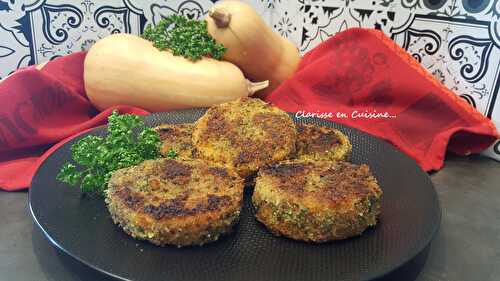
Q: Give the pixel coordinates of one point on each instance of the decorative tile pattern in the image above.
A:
(59, 28)
(458, 41)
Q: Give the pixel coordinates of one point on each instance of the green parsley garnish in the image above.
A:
(99, 157)
(171, 154)
(184, 37)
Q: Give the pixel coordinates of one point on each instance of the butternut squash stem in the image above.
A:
(220, 17)
(256, 86)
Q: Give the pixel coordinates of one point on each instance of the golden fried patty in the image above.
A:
(175, 202)
(316, 201)
(177, 137)
(244, 135)
(321, 143)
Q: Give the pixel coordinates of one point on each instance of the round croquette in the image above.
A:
(245, 135)
(172, 202)
(321, 143)
(316, 201)
(177, 137)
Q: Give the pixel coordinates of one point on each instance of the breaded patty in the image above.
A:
(316, 201)
(177, 137)
(321, 143)
(245, 135)
(175, 202)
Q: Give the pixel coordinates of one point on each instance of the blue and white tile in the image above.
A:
(287, 20)
(154, 11)
(15, 38)
(59, 28)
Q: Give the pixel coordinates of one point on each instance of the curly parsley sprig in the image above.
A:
(184, 37)
(98, 157)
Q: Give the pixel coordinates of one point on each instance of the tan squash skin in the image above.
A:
(127, 70)
(260, 53)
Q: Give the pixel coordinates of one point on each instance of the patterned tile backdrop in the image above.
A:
(458, 41)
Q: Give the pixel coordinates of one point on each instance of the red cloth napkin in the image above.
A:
(40, 108)
(354, 70)
(362, 70)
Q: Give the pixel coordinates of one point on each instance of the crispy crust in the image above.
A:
(175, 202)
(245, 135)
(316, 201)
(321, 143)
(177, 137)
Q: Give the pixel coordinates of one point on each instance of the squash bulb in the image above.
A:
(124, 69)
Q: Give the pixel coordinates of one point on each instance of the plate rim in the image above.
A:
(380, 274)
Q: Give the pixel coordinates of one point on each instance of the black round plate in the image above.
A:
(82, 227)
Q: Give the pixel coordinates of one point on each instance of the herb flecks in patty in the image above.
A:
(172, 154)
(98, 157)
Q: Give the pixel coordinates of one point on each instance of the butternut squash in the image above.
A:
(251, 45)
(126, 69)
